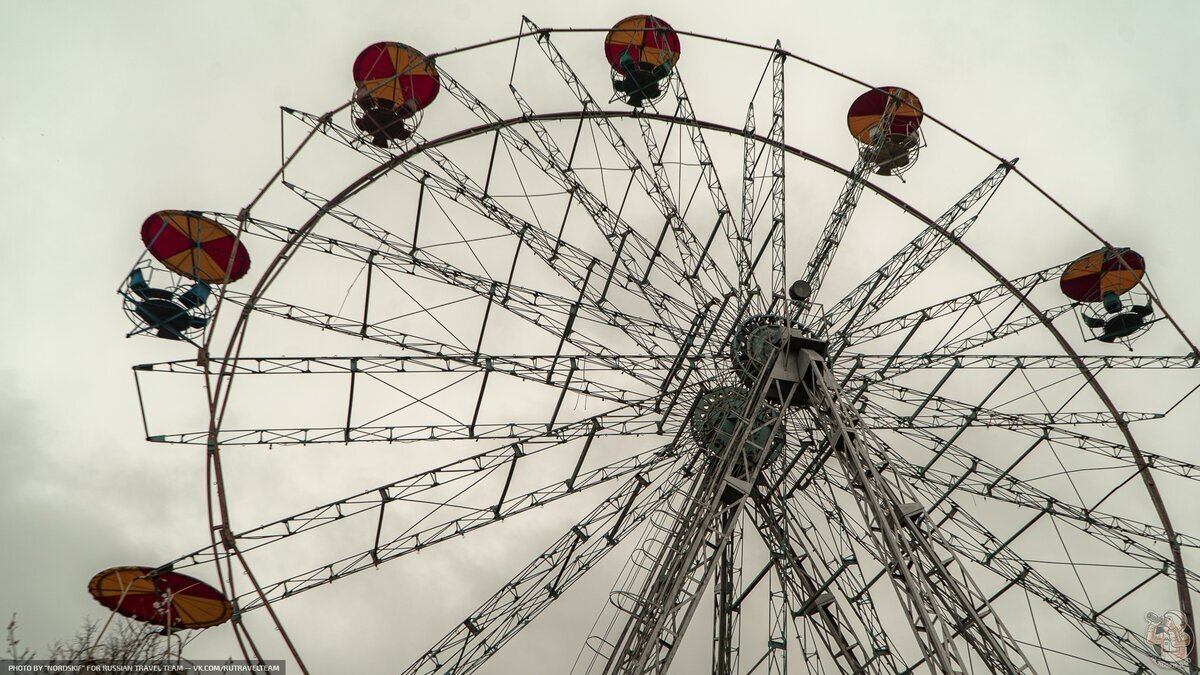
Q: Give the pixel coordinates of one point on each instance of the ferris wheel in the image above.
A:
(789, 385)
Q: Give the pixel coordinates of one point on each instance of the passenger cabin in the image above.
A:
(393, 83)
(886, 123)
(642, 51)
(1111, 304)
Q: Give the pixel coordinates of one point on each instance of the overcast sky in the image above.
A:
(114, 110)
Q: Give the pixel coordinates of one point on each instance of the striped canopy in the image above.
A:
(648, 40)
(1102, 271)
(868, 109)
(197, 247)
(376, 70)
(168, 599)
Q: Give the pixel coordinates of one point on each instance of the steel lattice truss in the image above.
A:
(906, 477)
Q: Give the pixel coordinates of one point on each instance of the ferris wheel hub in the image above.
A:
(755, 342)
(715, 422)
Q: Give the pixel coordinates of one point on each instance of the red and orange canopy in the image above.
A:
(868, 109)
(196, 247)
(647, 39)
(168, 599)
(1102, 271)
(390, 71)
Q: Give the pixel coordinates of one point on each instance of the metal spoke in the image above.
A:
(981, 478)
(885, 283)
(975, 542)
(689, 245)
(421, 535)
(636, 255)
(545, 310)
(468, 646)
(885, 363)
(415, 489)
(957, 305)
(712, 180)
(622, 424)
(567, 260)
(383, 333)
(941, 600)
(839, 219)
